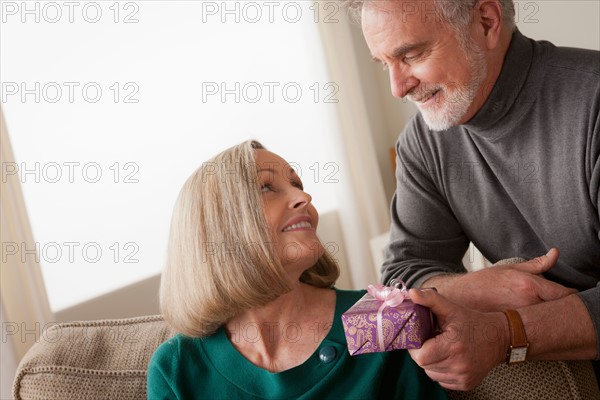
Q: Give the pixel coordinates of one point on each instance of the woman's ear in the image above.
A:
(488, 20)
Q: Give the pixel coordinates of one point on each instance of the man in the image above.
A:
(504, 152)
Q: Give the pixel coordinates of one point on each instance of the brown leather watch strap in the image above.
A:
(518, 338)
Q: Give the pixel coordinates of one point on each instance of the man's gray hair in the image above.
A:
(456, 13)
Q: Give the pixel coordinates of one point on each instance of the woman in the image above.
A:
(250, 287)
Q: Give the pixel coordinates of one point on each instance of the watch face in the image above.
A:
(518, 354)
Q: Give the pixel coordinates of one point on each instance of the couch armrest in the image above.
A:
(536, 380)
(104, 359)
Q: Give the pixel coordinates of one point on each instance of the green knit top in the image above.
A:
(211, 368)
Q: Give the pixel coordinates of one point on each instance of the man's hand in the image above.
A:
(502, 287)
(470, 344)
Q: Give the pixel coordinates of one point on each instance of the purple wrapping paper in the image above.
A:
(405, 326)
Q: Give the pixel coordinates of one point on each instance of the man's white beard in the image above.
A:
(450, 108)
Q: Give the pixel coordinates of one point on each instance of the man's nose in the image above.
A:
(401, 81)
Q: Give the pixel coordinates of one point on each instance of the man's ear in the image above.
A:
(488, 22)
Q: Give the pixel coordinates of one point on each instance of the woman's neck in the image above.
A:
(285, 332)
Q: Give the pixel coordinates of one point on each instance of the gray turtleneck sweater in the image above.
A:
(520, 177)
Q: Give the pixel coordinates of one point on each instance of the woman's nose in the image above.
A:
(300, 198)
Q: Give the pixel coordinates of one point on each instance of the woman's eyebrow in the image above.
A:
(292, 171)
(289, 173)
(270, 170)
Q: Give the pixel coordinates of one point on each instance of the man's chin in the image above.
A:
(436, 124)
(441, 119)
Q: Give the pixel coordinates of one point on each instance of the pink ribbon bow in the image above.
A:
(390, 297)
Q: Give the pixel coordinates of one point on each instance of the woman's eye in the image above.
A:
(266, 188)
(298, 185)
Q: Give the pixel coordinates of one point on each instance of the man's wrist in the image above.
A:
(503, 337)
(517, 351)
(442, 282)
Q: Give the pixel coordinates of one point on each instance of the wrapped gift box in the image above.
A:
(403, 326)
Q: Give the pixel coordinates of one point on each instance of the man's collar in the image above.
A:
(508, 86)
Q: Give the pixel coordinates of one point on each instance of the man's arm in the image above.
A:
(425, 237)
(471, 343)
(502, 287)
(560, 330)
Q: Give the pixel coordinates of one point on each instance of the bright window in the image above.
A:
(110, 106)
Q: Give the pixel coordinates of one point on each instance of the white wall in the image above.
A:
(571, 23)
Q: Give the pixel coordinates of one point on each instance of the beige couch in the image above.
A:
(107, 360)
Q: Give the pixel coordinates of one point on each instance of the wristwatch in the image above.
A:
(517, 352)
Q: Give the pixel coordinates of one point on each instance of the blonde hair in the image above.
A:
(221, 258)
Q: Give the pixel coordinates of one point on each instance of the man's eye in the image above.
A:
(412, 57)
